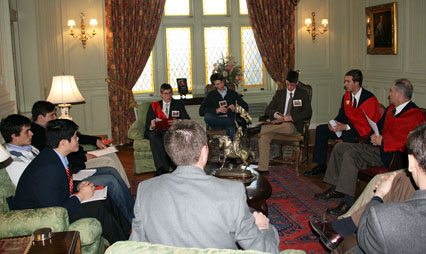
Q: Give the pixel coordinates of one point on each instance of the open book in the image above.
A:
(101, 152)
(100, 194)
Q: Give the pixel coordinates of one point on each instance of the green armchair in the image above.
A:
(142, 150)
(25, 222)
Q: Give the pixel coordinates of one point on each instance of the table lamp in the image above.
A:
(64, 92)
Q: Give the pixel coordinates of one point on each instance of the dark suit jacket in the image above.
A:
(44, 183)
(175, 105)
(299, 114)
(211, 102)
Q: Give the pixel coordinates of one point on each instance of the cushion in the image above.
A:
(7, 189)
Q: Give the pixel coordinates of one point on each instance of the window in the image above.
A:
(215, 47)
(177, 8)
(215, 7)
(179, 60)
(243, 7)
(252, 65)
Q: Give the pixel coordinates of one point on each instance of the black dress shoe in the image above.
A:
(318, 169)
(329, 193)
(327, 234)
(339, 209)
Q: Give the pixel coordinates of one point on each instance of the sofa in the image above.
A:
(25, 222)
(132, 247)
(142, 150)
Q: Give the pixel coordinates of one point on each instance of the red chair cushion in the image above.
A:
(368, 174)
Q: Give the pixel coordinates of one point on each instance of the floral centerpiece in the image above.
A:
(227, 66)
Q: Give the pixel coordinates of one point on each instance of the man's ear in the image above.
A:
(62, 143)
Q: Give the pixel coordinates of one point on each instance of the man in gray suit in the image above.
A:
(188, 208)
(398, 227)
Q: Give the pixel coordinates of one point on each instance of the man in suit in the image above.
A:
(288, 110)
(47, 182)
(159, 117)
(218, 108)
(188, 208)
(350, 124)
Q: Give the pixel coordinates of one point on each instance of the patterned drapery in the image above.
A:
(132, 27)
(273, 24)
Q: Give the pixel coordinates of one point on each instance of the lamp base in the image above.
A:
(65, 111)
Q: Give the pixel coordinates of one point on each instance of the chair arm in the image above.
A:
(24, 222)
(135, 131)
(90, 230)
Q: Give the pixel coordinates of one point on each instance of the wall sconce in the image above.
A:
(312, 30)
(84, 35)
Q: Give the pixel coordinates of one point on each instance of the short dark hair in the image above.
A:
(184, 142)
(356, 76)
(292, 76)
(165, 86)
(404, 85)
(416, 145)
(41, 108)
(216, 76)
(59, 129)
(13, 124)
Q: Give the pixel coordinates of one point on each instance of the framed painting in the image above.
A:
(382, 29)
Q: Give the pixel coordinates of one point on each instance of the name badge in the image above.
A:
(297, 103)
(223, 103)
(175, 113)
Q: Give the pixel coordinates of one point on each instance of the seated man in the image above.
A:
(43, 112)
(158, 119)
(16, 131)
(47, 182)
(218, 108)
(188, 208)
(346, 159)
(288, 110)
(350, 122)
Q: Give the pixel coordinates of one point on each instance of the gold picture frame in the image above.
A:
(382, 29)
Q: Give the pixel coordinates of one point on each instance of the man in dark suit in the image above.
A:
(350, 124)
(47, 182)
(288, 110)
(159, 117)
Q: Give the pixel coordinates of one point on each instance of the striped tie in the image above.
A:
(69, 175)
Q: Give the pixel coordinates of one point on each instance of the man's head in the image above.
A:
(400, 92)
(16, 129)
(292, 80)
(218, 81)
(62, 134)
(186, 143)
(353, 80)
(43, 112)
(166, 92)
(416, 147)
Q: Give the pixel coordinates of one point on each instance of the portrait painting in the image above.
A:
(382, 29)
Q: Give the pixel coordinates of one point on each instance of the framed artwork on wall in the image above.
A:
(382, 29)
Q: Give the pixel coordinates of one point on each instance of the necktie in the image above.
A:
(71, 184)
(289, 104)
(354, 103)
(166, 110)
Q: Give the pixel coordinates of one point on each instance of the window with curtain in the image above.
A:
(195, 34)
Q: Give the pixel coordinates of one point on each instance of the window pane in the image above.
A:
(177, 8)
(243, 7)
(179, 62)
(215, 47)
(252, 61)
(215, 7)
(145, 83)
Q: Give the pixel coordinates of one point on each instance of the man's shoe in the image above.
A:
(327, 234)
(318, 169)
(339, 209)
(329, 193)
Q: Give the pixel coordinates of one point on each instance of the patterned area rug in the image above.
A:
(290, 207)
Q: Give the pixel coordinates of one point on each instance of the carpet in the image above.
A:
(290, 207)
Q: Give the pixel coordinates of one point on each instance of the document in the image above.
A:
(83, 174)
(101, 152)
(100, 194)
(333, 123)
(372, 124)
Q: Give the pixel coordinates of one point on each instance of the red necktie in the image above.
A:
(69, 175)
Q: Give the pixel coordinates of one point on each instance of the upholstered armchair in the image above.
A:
(25, 222)
(142, 150)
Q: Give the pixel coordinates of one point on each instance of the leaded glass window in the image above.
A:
(145, 83)
(178, 55)
(215, 7)
(215, 47)
(253, 71)
(177, 8)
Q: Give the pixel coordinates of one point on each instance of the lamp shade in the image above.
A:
(64, 90)
(4, 155)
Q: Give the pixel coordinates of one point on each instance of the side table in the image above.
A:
(61, 242)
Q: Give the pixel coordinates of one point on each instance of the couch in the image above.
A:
(142, 150)
(131, 247)
(25, 222)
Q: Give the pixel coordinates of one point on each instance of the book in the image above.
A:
(372, 124)
(100, 194)
(83, 174)
(101, 152)
(333, 123)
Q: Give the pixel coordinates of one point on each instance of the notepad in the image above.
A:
(105, 151)
(99, 194)
(83, 174)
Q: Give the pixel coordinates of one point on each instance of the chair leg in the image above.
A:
(297, 151)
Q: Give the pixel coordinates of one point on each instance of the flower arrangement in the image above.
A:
(227, 66)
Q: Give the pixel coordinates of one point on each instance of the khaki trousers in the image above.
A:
(109, 160)
(267, 133)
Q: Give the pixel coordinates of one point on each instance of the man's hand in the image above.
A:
(100, 144)
(232, 107)
(288, 118)
(262, 222)
(221, 109)
(384, 185)
(376, 140)
(153, 123)
(82, 184)
(90, 156)
(86, 191)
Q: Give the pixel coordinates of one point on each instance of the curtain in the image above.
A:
(132, 27)
(273, 24)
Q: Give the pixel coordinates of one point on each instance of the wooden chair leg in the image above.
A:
(297, 151)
